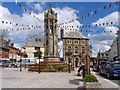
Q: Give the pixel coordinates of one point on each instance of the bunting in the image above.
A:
(94, 42)
(19, 29)
(27, 11)
(88, 25)
(17, 24)
(29, 38)
(92, 13)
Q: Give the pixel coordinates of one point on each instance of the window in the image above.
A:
(76, 50)
(83, 50)
(37, 48)
(76, 42)
(69, 41)
(83, 42)
(69, 48)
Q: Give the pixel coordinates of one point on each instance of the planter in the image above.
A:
(91, 85)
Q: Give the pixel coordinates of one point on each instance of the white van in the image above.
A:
(28, 60)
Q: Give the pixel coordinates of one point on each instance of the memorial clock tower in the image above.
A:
(50, 35)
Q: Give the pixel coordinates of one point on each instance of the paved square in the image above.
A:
(13, 78)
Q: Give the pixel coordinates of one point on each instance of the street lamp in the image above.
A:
(69, 59)
(20, 54)
(25, 56)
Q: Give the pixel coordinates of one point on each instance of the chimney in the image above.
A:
(9, 40)
(39, 40)
(62, 33)
(1, 37)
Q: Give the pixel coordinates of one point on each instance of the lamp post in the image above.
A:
(69, 59)
(20, 54)
(25, 56)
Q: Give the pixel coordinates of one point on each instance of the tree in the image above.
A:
(38, 54)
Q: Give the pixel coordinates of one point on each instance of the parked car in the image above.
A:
(15, 65)
(110, 69)
(5, 63)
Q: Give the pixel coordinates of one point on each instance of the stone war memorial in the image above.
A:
(51, 35)
(51, 61)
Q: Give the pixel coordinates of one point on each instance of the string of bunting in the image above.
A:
(91, 13)
(17, 24)
(100, 24)
(66, 27)
(18, 29)
(83, 17)
(88, 25)
(29, 38)
(28, 11)
(94, 42)
(97, 31)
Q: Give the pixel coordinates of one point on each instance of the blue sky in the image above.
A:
(78, 9)
(83, 8)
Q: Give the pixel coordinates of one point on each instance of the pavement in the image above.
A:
(106, 83)
(13, 78)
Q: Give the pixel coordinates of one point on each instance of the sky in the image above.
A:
(66, 11)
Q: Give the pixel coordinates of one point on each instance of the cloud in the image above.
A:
(38, 7)
(105, 39)
(105, 36)
(64, 14)
(113, 17)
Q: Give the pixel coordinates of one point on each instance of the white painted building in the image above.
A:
(112, 52)
(31, 47)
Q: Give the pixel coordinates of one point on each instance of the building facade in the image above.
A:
(32, 46)
(5, 48)
(77, 44)
(103, 56)
(13, 52)
(113, 52)
(50, 35)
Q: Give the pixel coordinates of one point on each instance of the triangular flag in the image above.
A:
(110, 5)
(88, 14)
(22, 7)
(104, 7)
(95, 12)
(116, 2)
(2, 21)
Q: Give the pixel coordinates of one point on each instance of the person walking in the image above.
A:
(80, 68)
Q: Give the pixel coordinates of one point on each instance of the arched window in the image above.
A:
(76, 50)
(83, 50)
(69, 48)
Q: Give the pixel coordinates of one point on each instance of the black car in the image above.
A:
(110, 69)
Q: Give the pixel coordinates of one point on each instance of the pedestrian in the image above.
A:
(80, 68)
